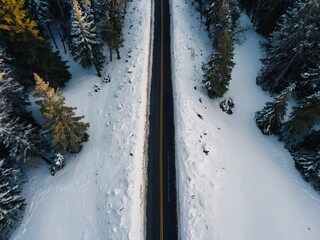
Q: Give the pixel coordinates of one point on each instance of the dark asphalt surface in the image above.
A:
(170, 225)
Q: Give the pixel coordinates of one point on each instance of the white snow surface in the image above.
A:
(247, 187)
(100, 192)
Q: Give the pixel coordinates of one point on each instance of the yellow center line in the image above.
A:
(161, 126)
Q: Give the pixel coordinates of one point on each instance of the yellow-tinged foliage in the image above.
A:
(68, 132)
(87, 3)
(14, 18)
(42, 88)
(77, 9)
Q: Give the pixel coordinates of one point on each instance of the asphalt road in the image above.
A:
(161, 197)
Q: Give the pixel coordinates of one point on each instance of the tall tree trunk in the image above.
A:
(61, 10)
(110, 52)
(118, 53)
(49, 29)
(97, 69)
(61, 39)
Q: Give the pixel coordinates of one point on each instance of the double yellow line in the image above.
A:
(161, 126)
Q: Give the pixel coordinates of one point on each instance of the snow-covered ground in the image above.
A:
(247, 187)
(100, 193)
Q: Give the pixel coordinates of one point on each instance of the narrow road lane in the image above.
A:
(162, 204)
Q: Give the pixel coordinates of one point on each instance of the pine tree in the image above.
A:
(14, 18)
(24, 42)
(307, 158)
(217, 72)
(67, 131)
(310, 142)
(270, 118)
(234, 7)
(44, 16)
(11, 91)
(218, 19)
(303, 117)
(310, 82)
(308, 163)
(85, 44)
(11, 203)
(294, 47)
(18, 137)
(266, 13)
(111, 35)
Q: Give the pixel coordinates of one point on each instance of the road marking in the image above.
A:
(168, 176)
(161, 125)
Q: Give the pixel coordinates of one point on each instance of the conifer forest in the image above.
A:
(91, 32)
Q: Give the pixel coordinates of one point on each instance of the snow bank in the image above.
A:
(246, 187)
(100, 192)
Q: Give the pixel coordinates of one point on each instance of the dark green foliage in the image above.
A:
(11, 91)
(221, 17)
(292, 56)
(19, 137)
(270, 118)
(11, 203)
(310, 142)
(86, 47)
(111, 25)
(217, 72)
(34, 55)
(112, 35)
(266, 13)
(28, 48)
(303, 117)
(218, 19)
(294, 48)
(310, 82)
(308, 163)
(269, 14)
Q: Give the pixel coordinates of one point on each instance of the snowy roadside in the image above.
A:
(247, 187)
(100, 194)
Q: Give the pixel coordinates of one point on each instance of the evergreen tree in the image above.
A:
(217, 72)
(85, 44)
(44, 16)
(61, 10)
(234, 7)
(218, 19)
(68, 132)
(308, 163)
(111, 35)
(310, 142)
(310, 82)
(269, 119)
(266, 13)
(269, 14)
(23, 41)
(11, 203)
(294, 47)
(14, 18)
(303, 117)
(18, 137)
(11, 92)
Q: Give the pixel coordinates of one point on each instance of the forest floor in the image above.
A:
(245, 188)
